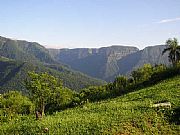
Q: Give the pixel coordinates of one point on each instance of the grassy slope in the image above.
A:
(128, 114)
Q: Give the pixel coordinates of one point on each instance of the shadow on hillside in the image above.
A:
(174, 116)
(10, 75)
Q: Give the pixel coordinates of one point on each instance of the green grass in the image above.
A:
(128, 114)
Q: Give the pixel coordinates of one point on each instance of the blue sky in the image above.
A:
(90, 23)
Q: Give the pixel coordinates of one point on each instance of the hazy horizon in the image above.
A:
(91, 23)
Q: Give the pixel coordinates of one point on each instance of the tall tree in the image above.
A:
(174, 50)
(43, 88)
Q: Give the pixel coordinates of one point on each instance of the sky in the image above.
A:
(90, 23)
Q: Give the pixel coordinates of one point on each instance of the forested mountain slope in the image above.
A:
(13, 74)
(17, 57)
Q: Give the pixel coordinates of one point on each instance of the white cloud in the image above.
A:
(169, 20)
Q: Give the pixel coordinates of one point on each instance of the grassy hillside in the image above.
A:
(128, 114)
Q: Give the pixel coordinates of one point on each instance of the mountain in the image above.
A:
(17, 57)
(108, 62)
(104, 63)
(24, 51)
(100, 63)
(151, 54)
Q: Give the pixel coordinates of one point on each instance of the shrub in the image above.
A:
(14, 103)
(120, 85)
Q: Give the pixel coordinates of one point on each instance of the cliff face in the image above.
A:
(108, 62)
(101, 63)
(151, 54)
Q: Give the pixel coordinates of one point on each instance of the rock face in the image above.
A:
(101, 63)
(108, 62)
(151, 54)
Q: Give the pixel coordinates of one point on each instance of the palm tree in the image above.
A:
(174, 50)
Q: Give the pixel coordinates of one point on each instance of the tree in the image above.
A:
(120, 84)
(174, 50)
(43, 89)
(142, 74)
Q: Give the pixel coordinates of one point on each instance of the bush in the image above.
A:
(14, 103)
(120, 85)
(94, 93)
(61, 101)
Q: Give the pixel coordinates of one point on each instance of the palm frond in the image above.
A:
(165, 50)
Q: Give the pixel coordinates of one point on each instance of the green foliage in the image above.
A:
(143, 77)
(94, 93)
(143, 73)
(120, 84)
(43, 88)
(159, 73)
(13, 103)
(60, 101)
(128, 114)
(174, 50)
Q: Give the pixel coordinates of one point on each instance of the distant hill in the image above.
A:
(18, 57)
(108, 62)
(24, 51)
(151, 54)
(100, 63)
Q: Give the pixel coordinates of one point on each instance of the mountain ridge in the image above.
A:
(103, 63)
(17, 57)
(108, 62)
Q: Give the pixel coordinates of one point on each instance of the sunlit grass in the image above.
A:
(128, 114)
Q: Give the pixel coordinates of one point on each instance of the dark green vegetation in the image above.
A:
(127, 114)
(18, 57)
(174, 50)
(108, 62)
